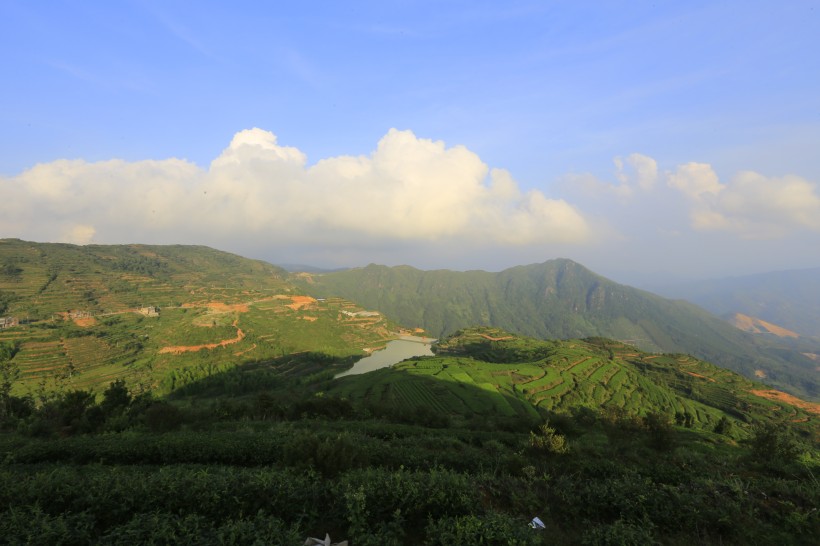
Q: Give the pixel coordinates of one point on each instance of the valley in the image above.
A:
(561, 299)
(132, 373)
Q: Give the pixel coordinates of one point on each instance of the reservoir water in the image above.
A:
(395, 351)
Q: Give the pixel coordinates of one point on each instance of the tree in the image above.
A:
(724, 426)
(116, 399)
(660, 431)
(548, 440)
(9, 373)
(773, 445)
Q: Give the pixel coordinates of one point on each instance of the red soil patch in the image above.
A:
(758, 326)
(778, 396)
(85, 322)
(300, 302)
(179, 349)
(310, 319)
(245, 351)
(693, 374)
(219, 307)
(485, 336)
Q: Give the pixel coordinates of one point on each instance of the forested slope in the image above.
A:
(562, 299)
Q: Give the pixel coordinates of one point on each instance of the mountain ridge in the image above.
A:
(556, 299)
(562, 299)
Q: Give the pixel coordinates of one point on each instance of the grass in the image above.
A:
(59, 354)
(592, 373)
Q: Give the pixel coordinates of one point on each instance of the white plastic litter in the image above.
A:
(326, 542)
(536, 523)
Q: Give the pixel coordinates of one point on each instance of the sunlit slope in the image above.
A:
(41, 279)
(160, 316)
(562, 299)
(492, 373)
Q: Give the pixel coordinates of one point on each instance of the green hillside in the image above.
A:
(203, 410)
(160, 316)
(38, 280)
(461, 448)
(496, 375)
(562, 299)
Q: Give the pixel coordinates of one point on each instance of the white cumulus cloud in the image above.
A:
(408, 189)
(696, 180)
(636, 170)
(751, 204)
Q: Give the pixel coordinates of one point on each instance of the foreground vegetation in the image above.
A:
(216, 420)
(281, 458)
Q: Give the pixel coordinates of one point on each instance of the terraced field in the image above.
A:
(84, 318)
(594, 373)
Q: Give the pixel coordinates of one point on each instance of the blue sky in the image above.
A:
(639, 138)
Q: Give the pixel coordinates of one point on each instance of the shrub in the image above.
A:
(660, 431)
(548, 440)
(492, 528)
(162, 417)
(620, 533)
(774, 445)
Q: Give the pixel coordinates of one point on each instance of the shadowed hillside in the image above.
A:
(158, 316)
(521, 377)
(460, 448)
(562, 299)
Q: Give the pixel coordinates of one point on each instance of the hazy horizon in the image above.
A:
(643, 141)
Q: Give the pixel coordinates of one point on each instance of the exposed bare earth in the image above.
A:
(213, 307)
(778, 396)
(179, 349)
(758, 326)
(300, 302)
(240, 353)
(701, 376)
(760, 373)
(485, 336)
(85, 322)
(219, 307)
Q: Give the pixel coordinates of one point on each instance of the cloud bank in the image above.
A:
(751, 205)
(407, 189)
(410, 200)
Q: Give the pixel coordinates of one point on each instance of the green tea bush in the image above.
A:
(416, 494)
(491, 528)
(548, 441)
(620, 533)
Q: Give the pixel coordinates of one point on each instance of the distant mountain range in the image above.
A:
(297, 268)
(562, 299)
(82, 304)
(788, 299)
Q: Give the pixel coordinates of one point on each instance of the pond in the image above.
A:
(395, 351)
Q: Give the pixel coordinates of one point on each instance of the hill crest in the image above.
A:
(562, 299)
